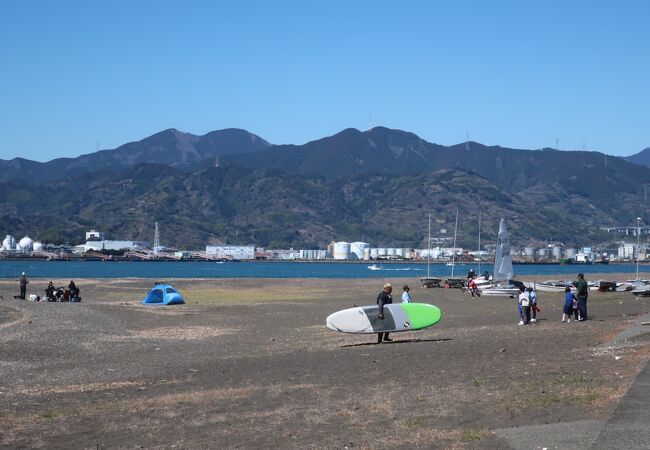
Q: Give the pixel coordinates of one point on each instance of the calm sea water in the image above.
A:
(98, 269)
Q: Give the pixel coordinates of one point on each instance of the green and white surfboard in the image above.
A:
(397, 317)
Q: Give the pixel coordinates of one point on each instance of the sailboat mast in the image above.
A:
(429, 247)
(479, 242)
(453, 255)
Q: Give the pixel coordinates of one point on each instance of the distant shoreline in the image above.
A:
(312, 261)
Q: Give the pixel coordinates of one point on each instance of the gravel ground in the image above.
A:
(250, 364)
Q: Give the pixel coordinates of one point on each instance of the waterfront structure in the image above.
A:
(9, 243)
(341, 251)
(112, 245)
(557, 252)
(231, 251)
(626, 251)
(313, 254)
(283, 255)
(25, 244)
(357, 249)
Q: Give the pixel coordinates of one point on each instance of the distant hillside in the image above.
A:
(394, 152)
(377, 186)
(170, 147)
(274, 209)
(642, 158)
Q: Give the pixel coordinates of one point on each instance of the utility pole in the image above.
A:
(156, 240)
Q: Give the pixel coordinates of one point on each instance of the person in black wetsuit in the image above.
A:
(384, 298)
(49, 292)
(23, 286)
(74, 290)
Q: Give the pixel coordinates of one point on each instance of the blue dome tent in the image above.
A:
(163, 294)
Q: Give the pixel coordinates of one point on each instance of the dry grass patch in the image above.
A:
(77, 388)
(195, 332)
(253, 295)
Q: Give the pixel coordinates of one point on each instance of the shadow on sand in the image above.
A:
(400, 341)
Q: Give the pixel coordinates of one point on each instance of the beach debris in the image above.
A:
(193, 370)
(502, 350)
(617, 357)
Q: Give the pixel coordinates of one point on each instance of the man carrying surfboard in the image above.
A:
(384, 298)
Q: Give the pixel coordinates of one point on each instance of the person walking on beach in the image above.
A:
(524, 304)
(569, 301)
(384, 298)
(582, 292)
(473, 289)
(406, 295)
(532, 295)
(23, 286)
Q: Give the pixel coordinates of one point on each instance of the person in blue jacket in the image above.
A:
(569, 300)
(532, 294)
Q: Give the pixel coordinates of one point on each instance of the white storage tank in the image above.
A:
(374, 252)
(9, 243)
(399, 252)
(366, 254)
(342, 250)
(409, 253)
(357, 249)
(381, 251)
(542, 252)
(557, 252)
(391, 251)
(38, 246)
(571, 253)
(529, 251)
(26, 244)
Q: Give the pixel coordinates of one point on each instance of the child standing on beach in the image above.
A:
(532, 294)
(406, 296)
(570, 303)
(524, 306)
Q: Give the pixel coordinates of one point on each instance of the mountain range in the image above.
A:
(378, 186)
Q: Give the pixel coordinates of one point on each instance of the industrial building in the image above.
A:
(112, 245)
(231, 251)
(313, 254)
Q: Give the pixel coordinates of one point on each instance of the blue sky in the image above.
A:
(78, 75)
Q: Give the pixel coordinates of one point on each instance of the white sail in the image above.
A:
(503, 258)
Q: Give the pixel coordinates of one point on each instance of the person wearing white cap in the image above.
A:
(384, 298)
(23, 286)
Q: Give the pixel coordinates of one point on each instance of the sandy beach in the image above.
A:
(249, 363)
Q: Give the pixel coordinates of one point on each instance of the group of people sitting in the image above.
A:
(60, 294)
